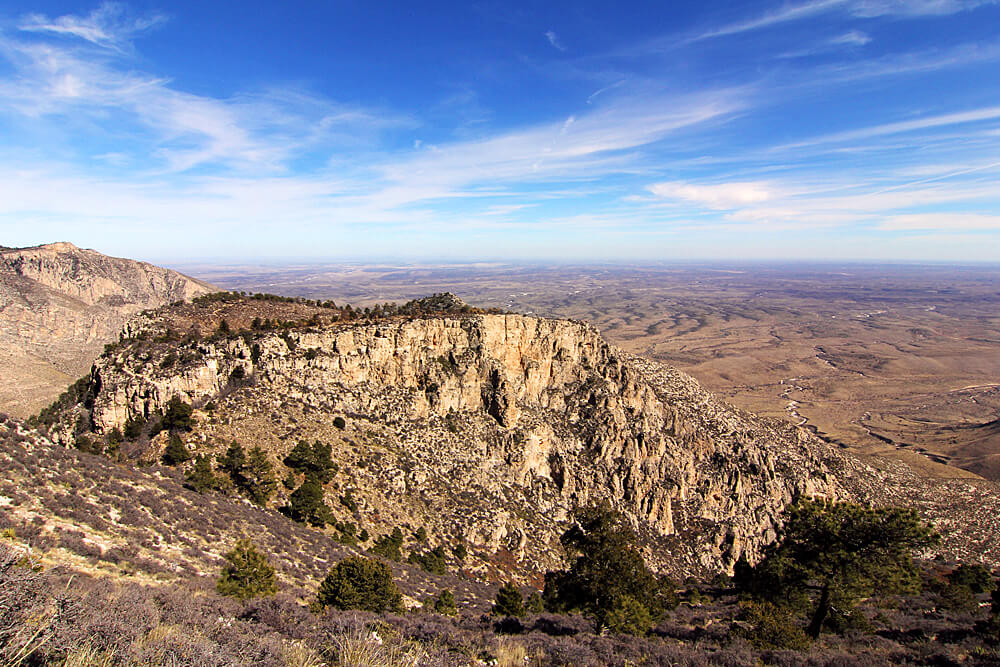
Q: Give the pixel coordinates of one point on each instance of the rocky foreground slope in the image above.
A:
(59, 306)
(487, 429)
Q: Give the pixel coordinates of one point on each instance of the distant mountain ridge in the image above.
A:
(59, 306)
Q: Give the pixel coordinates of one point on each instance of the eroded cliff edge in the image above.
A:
(489, 428)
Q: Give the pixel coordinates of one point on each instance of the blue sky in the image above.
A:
(823, 129)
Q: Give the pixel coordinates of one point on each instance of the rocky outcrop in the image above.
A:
(59, 305)
(492, 427)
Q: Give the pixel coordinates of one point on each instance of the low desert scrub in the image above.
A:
(379, 647)
(298, 654)
(88, 656)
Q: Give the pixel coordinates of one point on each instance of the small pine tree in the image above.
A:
(261, 482)
(831, 554)
(134, 428)
(607, 568)
(178, 416)
(444, 603)
(312, 459)
(535, 604)
(508, 601)
(630, 617)
(233, 463)
(175, 452)
(306, 504)
(248, 574)
(432, 560)
(200, 477)
(388, 546)
(360, 583)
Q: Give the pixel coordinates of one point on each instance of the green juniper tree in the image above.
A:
(248, 574)
(200, 477)
(306, 503)
(252, 474)
(508, 601)
(261, 482)
(388, 546)
(444, 603)
(432, 560)
(175, 452)
(831, 554)
(360, 583)
(312, 459)
(178, 416)
(608, 580)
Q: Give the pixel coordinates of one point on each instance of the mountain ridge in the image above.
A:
(59, 306)
(488, 428)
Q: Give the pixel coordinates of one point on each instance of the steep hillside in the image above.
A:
(59, 306)
(487, 429)
(141, 524)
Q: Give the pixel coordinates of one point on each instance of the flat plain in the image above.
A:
(890, 360)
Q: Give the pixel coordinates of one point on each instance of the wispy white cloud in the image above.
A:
(857, 8)
(852, 38)
(554, 40)
(872, 8)
(257, 131)
(972, 116)
(109, 26)
(722, 196)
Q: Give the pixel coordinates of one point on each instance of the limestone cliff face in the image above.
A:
(493, 427)
(59, 305)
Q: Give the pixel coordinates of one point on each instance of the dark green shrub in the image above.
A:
(444, 603)
(178, 416)
(134, 428)
(534, 603)
(201, 478)
(312, 459)
(360, 583)
(630, 617)
(87, 444)
(772, 627)
(432, 560)
(388, 546)
(307, 504)
(248, 574)
(252, 474)
(340, 423)
(348, 501)
(607, 568)
(175, 452)
(977, 578)
(508, 601)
